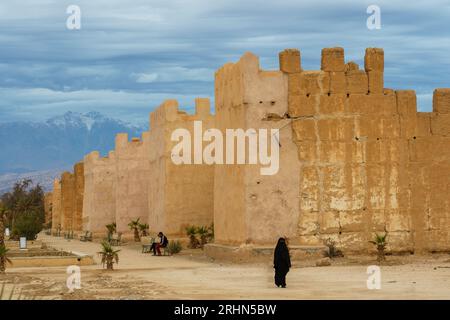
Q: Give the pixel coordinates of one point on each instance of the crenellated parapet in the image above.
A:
(169, 112)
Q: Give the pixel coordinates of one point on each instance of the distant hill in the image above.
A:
(44, 149)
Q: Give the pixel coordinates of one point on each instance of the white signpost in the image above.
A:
(23, 243)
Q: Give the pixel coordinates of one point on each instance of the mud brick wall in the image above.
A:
(48, 207)
(56, 205)
(178, 195)
(99, 205)
(77, 219)
(429, 169)
(250, 208)
(355, 159)
(132, 178)
(67, 200)
(369, 161)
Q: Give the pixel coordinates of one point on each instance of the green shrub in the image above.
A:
(28, 225)
(191, 232)
(175, 247)
(332, 251)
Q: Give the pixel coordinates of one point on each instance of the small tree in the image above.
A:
(24, 205)
(191, 233)
(109, 255)
(135, 225)
(203, 233)
(3, 258)
(111, 230)
(143, 227)
(380, 243)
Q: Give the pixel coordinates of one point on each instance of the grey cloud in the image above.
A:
(161, 49)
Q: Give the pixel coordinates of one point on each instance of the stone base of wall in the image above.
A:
(253, 253)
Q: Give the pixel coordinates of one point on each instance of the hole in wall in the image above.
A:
(272, 103)
(307, 94)
(260, 102)
(356, 138)
(414, 138)
(348, 95)
(329, 93)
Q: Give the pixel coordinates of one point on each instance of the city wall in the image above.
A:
(356, 159)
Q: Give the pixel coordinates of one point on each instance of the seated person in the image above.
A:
(161, 244)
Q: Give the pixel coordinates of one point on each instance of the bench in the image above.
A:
(86, 237)
(147, 244)
(166, 251)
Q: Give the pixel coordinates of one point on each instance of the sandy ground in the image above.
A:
(190, 275)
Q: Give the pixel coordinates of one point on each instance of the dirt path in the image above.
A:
(192, 276)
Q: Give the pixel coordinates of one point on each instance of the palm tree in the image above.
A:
(3, 258)
(143, 227)
(109, 255)
(191, 232)
(203, 232)
(134, 225)
(111, 230)
(380, 242)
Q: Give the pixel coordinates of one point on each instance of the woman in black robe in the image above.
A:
(281, 263)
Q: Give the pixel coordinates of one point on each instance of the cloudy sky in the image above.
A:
(131, 55)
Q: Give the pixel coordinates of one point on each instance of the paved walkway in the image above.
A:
(193, 277)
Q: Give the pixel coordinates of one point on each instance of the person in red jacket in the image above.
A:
(156, 247)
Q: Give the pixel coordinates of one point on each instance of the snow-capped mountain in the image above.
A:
(59, 142)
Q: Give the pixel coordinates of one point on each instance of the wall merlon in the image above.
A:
(66, 175)
(92, 156)
(249, 64)
(121, 140)
(441, 100)
(202, 107)
(290, 61)
(332, 59)
(167, 111)
(374, 60)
